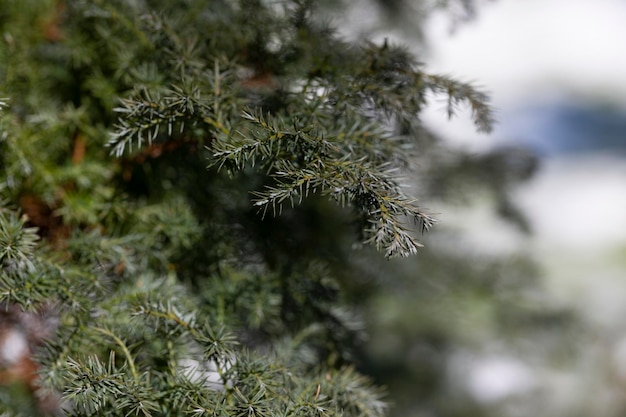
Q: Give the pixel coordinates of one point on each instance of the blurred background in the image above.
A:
(524, 317)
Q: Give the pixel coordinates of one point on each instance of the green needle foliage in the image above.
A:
(182, 185)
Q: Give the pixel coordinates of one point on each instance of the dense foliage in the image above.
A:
(184, 184)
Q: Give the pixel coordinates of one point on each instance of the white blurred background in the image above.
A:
(556, 72)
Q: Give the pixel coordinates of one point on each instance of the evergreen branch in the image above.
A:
(145, 118)
(109, 11)
(458, 93)
(167, 314)
(122, 345)
(217, 344)
(388, 236)
(29, 278)
(96, 386)
(304, 163)
(390, 83)
(269, 144)
(92, 384)
(17, 242)
(372, 190)
(355, 394)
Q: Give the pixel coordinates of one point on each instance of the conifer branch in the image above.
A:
(304, 163)
(146, 117)
(457, 93)
(122, 345)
